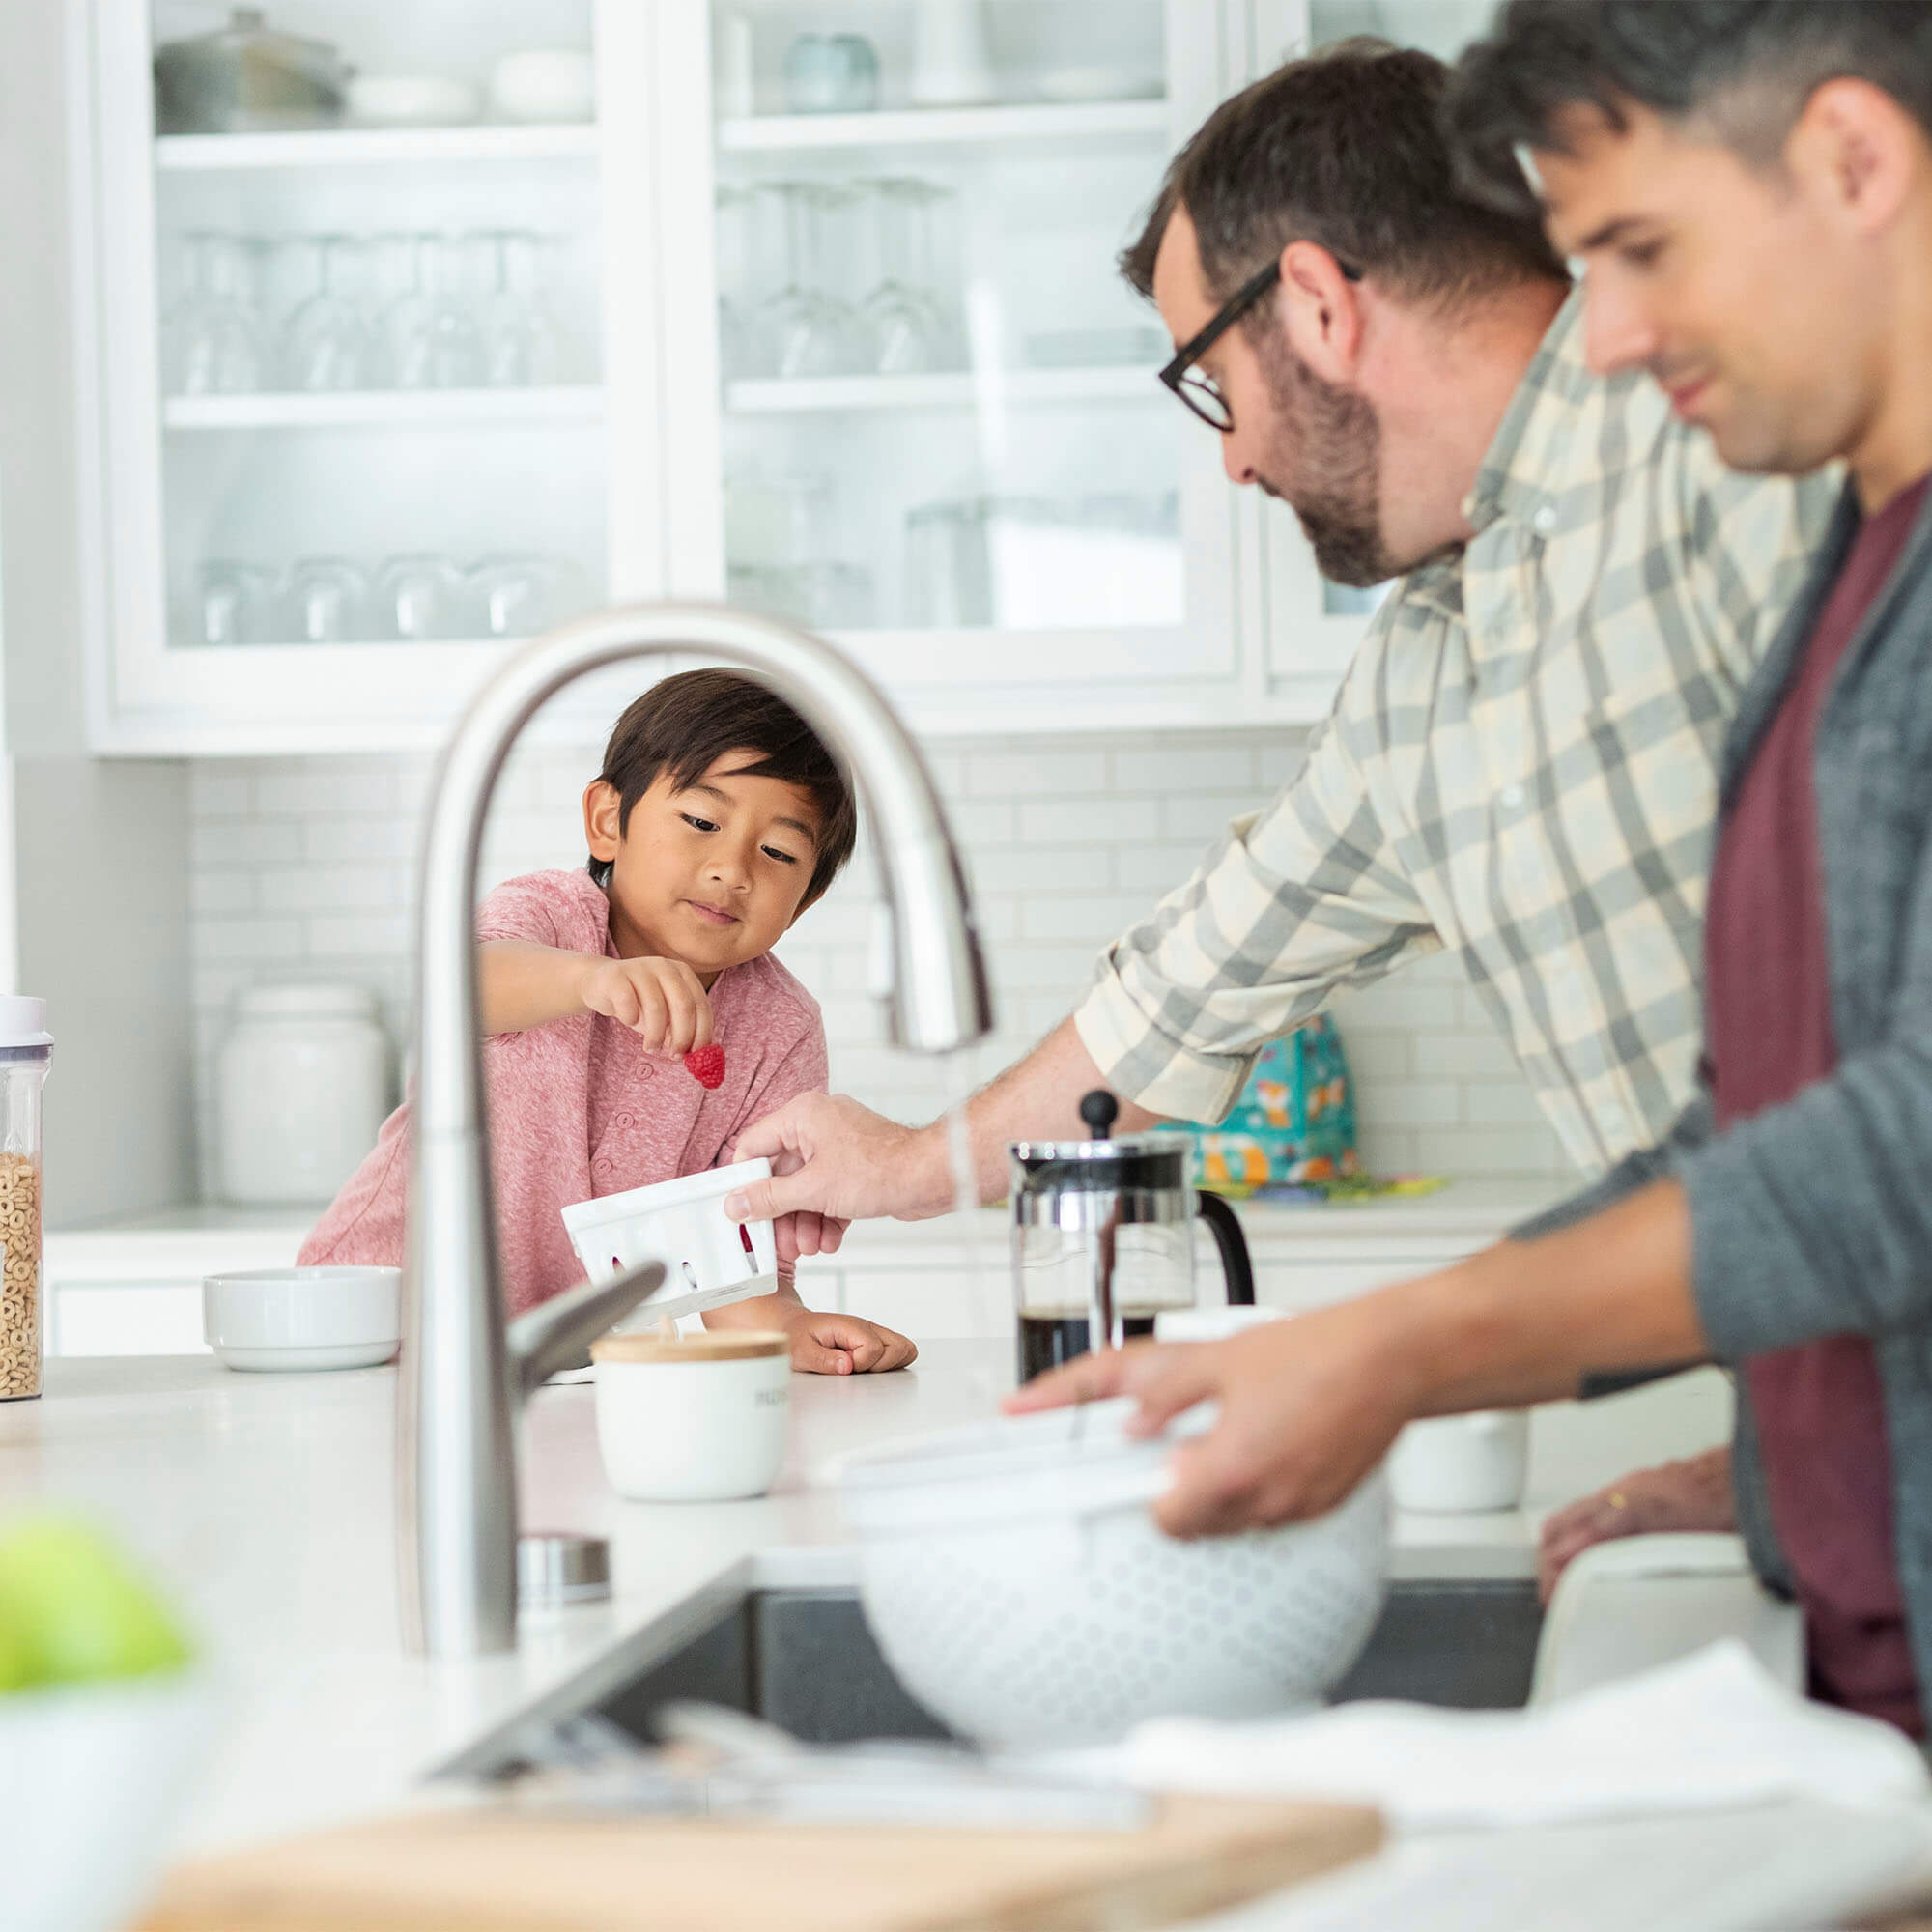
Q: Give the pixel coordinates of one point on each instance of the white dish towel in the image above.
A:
(1712, 1730)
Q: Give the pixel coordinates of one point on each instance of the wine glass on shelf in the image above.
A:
(911, 331)
(801, 330)
(427, 337)
(212, 338)
(325, 343)
(737, 344)
(524, 346)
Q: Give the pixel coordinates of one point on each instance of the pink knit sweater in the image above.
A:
(578, 1109)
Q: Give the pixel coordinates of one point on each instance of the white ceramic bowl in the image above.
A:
(1015, 1580)
(92, 1778)
(303, 1318)
(544, 84)
(697, 1420)
(412, 101)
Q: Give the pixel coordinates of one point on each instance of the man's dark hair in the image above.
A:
(1344, 149)
(682, 725)
(1744, 67)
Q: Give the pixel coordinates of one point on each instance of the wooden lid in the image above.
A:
(729, 1345)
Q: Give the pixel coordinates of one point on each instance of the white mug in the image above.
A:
(952, 56)
(697, 1420)
(1462, 1463)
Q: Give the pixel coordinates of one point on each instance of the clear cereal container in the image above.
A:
(25, 1047)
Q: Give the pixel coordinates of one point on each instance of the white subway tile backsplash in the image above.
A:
(359, 935)
(268, 939)
(306, 869)
(315, 887)
(1090, 821)
(1155, 869)
(1211, 765)
(1202, 815)
(360, 785)
(245, 841)
(1042, 771)
(215, 791)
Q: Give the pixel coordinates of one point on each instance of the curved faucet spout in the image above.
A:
(457, 1513)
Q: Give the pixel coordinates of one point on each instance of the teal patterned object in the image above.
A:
(1294, 1124)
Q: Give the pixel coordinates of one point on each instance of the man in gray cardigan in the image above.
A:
(1749, 185)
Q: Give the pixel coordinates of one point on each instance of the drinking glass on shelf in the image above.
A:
(233, 602)
(911, 329)
(325, 600)
(737, 347)
(325, 343)
(524, 343)
(801, 330)
(518, 596)
(212, 338)
(419, 598)
(427, 337)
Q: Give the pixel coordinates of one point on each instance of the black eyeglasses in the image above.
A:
(1191, 383)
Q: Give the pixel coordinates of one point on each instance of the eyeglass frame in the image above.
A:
(1174, 377)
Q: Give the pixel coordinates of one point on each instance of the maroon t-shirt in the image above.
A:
(1820, 1407)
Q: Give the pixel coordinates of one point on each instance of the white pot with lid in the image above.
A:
(302, 1085)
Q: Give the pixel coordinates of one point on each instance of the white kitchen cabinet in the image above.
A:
(996, 508)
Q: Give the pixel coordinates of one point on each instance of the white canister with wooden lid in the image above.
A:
(699, 1419)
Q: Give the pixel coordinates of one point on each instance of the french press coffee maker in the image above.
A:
(1103, 1237)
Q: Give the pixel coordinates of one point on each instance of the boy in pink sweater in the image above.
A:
(718, 817)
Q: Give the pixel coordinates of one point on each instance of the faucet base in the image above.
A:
(557, 1569)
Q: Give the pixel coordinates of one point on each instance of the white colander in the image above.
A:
(1013, 1577)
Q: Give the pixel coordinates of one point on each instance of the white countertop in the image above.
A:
(266, 1503)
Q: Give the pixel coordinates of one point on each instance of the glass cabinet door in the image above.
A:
(351, 274)
(925, 407)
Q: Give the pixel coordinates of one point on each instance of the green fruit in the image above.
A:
(17, 1657)
(76, 1608)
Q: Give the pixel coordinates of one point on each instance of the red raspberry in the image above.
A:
(706, 1065)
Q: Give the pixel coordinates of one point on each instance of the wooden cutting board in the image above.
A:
(496, 1870)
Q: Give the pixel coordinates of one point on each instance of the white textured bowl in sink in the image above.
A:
(1014, 1578)
(304, 1319)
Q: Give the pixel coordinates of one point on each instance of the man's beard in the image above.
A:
(1328, 441)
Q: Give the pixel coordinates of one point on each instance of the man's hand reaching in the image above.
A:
(835, 1162)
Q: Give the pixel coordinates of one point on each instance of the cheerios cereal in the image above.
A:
(19, 1276)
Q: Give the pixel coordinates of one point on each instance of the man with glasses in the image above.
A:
(1521, 763)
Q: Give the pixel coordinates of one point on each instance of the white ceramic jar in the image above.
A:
(301, 1086)
(701, 1419)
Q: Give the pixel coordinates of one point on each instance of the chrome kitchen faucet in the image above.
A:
(461, 1376)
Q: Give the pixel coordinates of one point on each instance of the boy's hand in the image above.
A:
(660, 1000)
(821, 1345)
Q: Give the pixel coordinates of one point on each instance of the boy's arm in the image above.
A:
(521, 984)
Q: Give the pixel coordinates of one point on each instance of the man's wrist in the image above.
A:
(935, 1190)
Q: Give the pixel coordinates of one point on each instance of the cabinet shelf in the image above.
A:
(933, 127)
(349, 409)
(366, 147)
(1129, 383)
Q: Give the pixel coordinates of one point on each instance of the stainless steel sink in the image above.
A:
(804, 1659)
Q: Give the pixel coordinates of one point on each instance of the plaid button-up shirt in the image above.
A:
(1520, 765)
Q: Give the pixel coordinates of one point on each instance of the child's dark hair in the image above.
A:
(682, 725)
